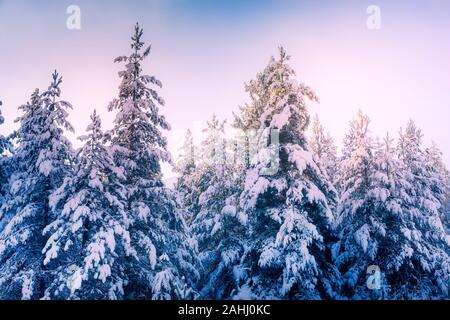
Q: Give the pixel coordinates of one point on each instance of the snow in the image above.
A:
(315, 195)
(143, 212)
(27, 286)
(259, 187)
(79, 222)
(230, 256)
(104, 271)
(75, 281)
(268, 256)
(162, 285)
(281, 119)
(302, 158)
(110, 240)
(217, 226)
(81, 211)
(152, 256)
(45, 167)
(409, 252)
(229, 210)
(244, 293)
(407, 233)
(362, 237)
(76, 226)
(51, 253)
(95, 183)
(380, 194)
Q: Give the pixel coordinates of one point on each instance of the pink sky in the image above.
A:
(204, 58)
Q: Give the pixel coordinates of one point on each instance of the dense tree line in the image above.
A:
(272, 213)
(314, 227)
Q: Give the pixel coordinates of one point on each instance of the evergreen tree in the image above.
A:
(429, 275)
(323, 146)
(186, 182)
(381, 225)
(42, 159)
(89, 239)
(4, 143)
(370, 211)
(357, 162)
(5, 146)
(217, 228)
(158, 231)
(287, 198)
(440, 177)
(446, 215)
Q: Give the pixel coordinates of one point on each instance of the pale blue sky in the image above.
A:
(204, 51)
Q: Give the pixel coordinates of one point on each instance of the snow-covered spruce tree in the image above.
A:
(185, 186)
(379, 227)
(429, 269)
(164, 260)
(89, 239)
(212, 157)
(217, 228)
(371, 211)
(439, 175)
(355, 211)
(5, 146)
(41, 161)
(287, 199)
(323, 146)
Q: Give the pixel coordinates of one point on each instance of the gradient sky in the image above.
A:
(204, 52)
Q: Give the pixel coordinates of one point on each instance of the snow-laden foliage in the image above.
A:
(4, 142)
(272, 212)
(439, 180)
(431, 272)
(157, 230)
(41, 160)
(186, 184)
(446, 216)
(5, 146)
(89, 241)
(323, 147)
(369, 204)
(386, 222)
(287, 197)
(216, 226)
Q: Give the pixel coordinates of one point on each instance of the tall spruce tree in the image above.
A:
(429, 275)
(371, 212)
(217, 228)
(164, 262)
(440, 177)
(323, 146)
(287, 198)
(186, 185)
(41, 161)
(89, 240)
